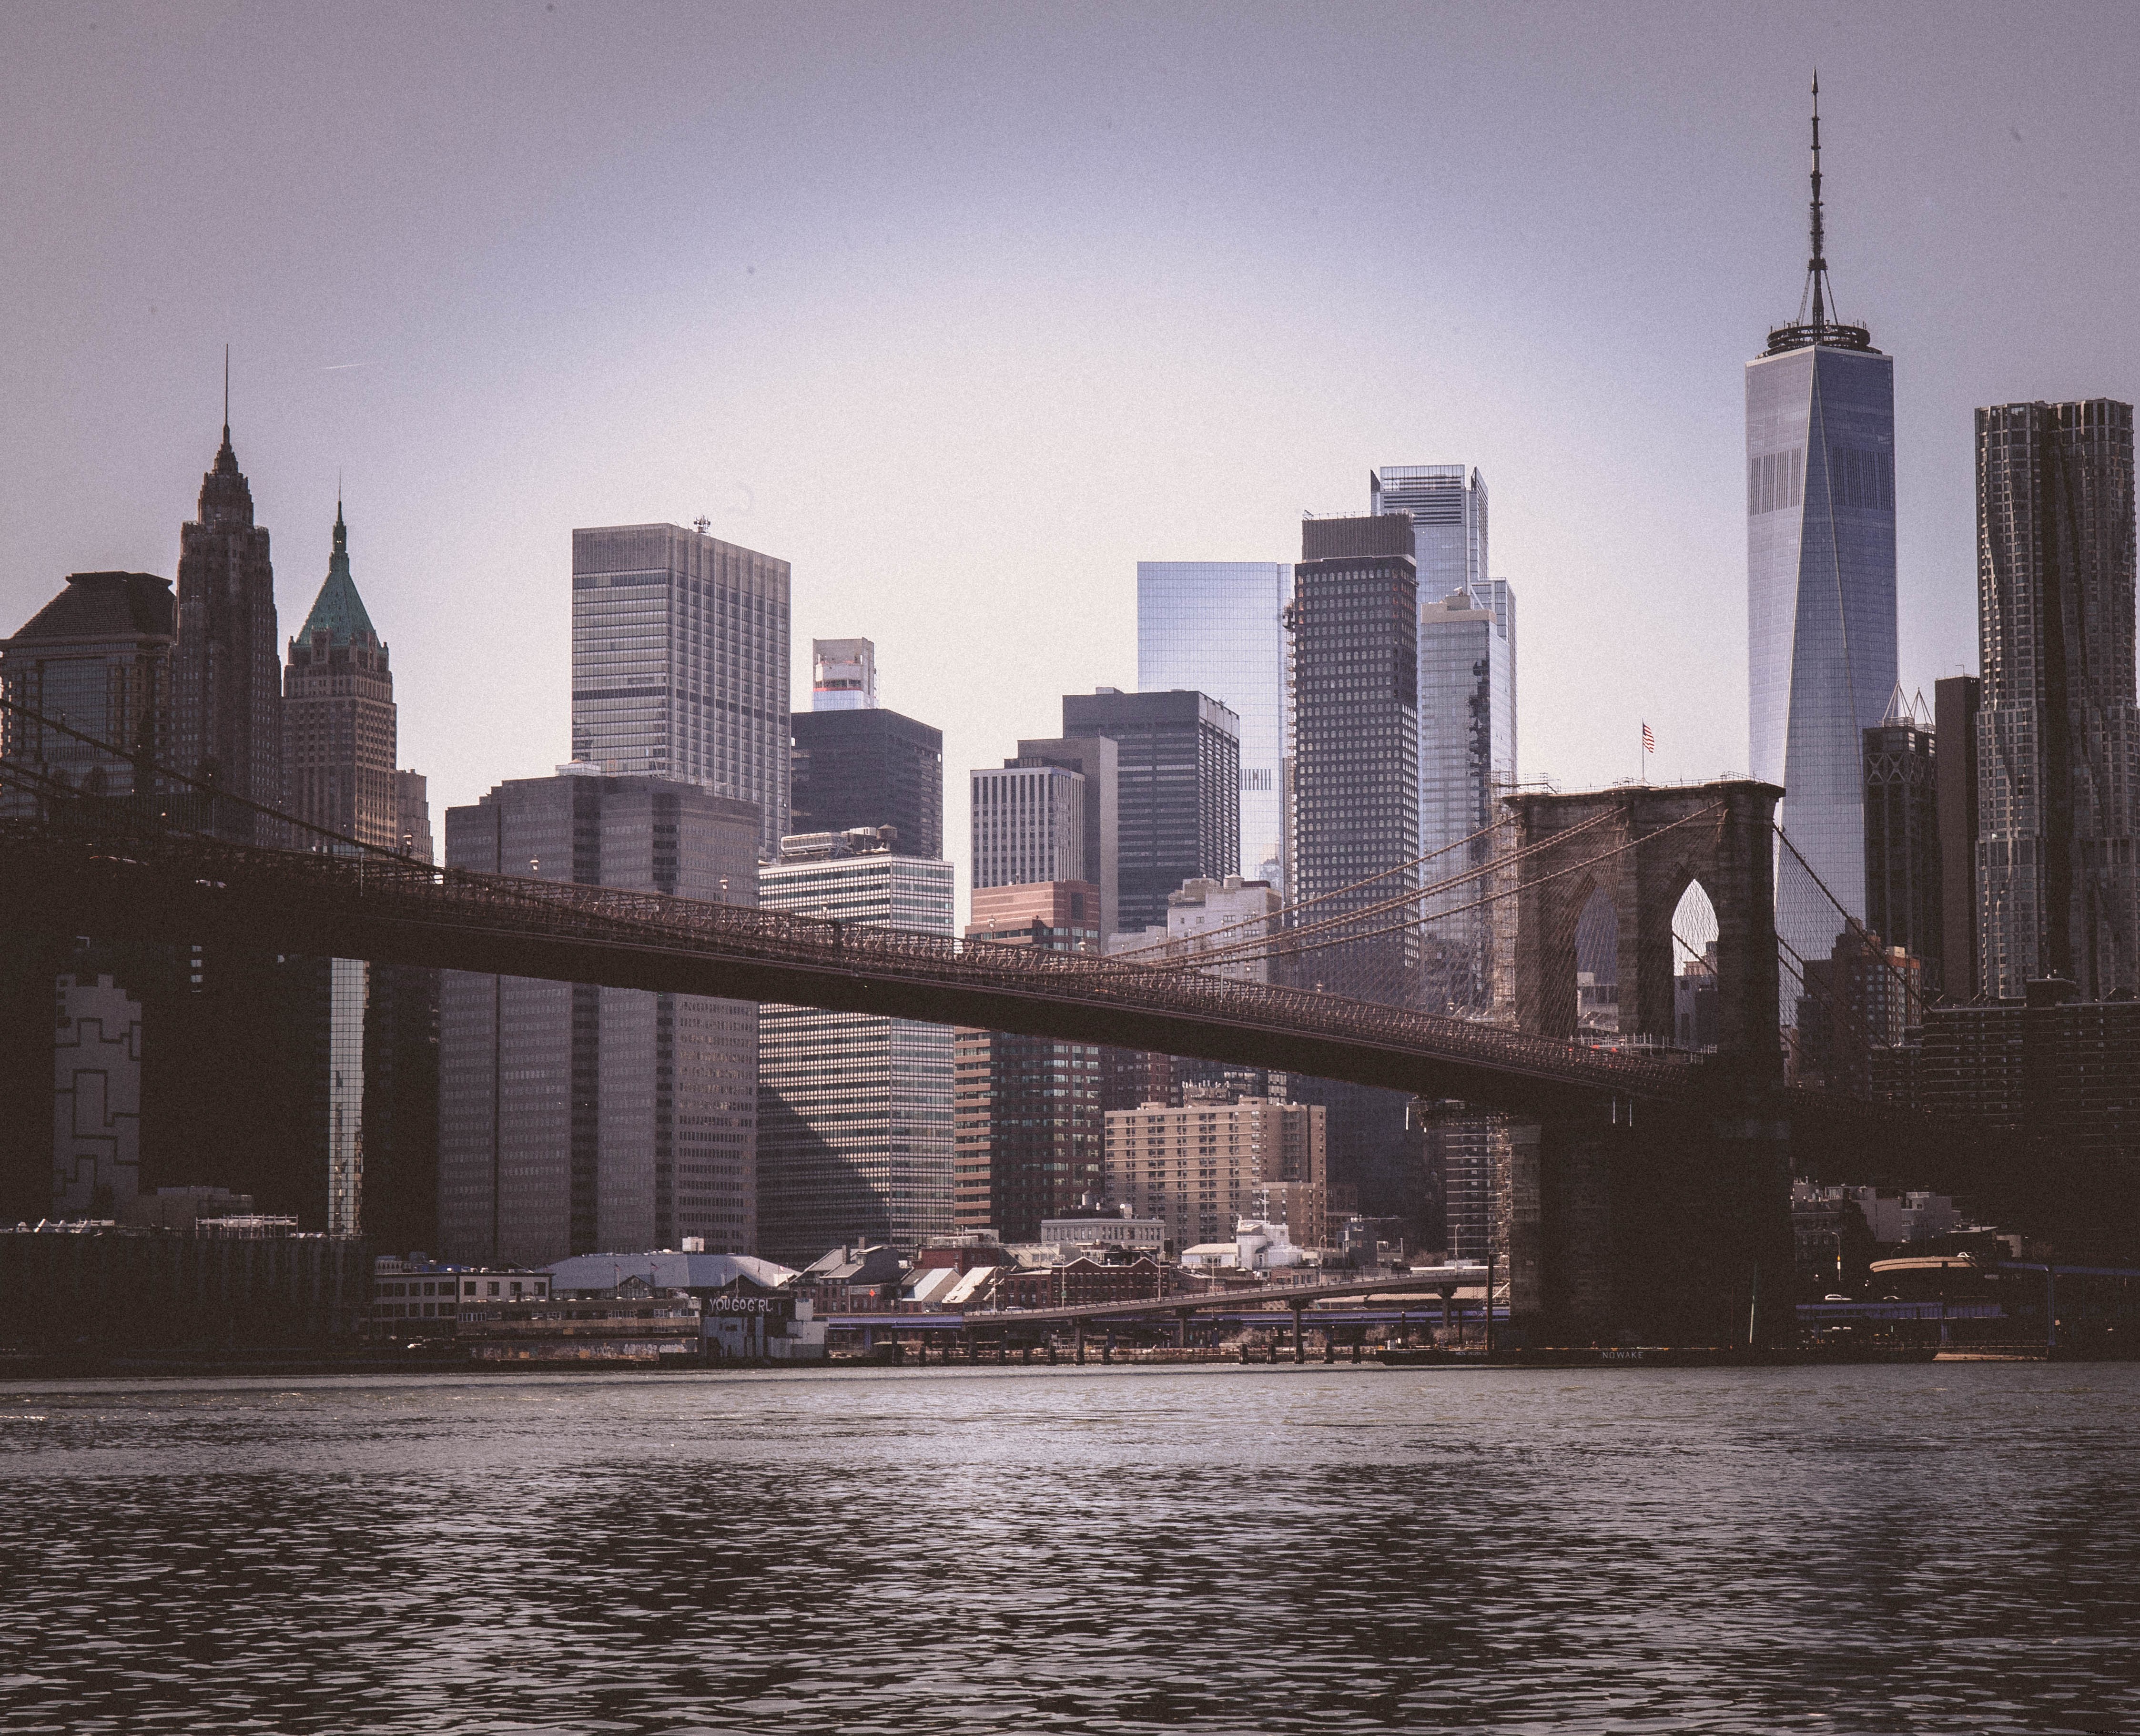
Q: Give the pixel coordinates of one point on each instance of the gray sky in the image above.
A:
(965, 309)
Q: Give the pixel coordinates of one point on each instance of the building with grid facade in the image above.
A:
(1447, 506)
(1027, 1115)
(1029, 823)
(1903, 904)
(854, 1110)
(1954, 702)
(680, 664)
(1201, 1168)
(1177, 792)
(2057, 879)
(1217, 627)
(227, 687)
(574, 1118)
(868, 767)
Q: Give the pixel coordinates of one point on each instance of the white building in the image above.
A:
(1257, 1246)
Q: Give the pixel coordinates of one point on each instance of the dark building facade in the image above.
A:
(1177, 792)
(1353, 802)
(2058, 883)
(577, 1119)
(870, 767)
(1954, 702)
(1903, 904)
(226, 710)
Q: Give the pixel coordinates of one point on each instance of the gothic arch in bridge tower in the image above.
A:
(1643, 849)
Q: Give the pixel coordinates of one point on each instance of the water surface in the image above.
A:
(1949, 1547)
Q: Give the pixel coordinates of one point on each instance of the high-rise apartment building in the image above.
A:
(1201, 1168)
(1178, 791)
(1820, 580)
(577, 1119)
(843, 674)
(98, 656)
(1029, 825)
(2057, 843)
(1954, 703)
(1217, 627)
(1903, 904)
(227, 686)
(870, 767)
(1026, 1109)
(1095, 759)
(1355, 627)
(680, 664)
(854, 1110)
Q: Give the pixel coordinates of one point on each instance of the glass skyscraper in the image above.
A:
(1218, 627)
(680, 664)
(1820, 584)
(854, 1115)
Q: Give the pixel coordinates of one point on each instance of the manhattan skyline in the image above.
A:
(877, 348)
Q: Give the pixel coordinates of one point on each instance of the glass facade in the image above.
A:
(854, 1118)
(680, 664)
(1217, 627)
(348, 1002)
(1820, 595)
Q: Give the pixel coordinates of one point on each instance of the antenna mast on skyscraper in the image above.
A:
(1818, 295)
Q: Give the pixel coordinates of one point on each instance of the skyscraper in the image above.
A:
(854, 1116)
(227, 687)
(1902, 903)
(2058, 883)
(1178, 791)
(98, 655)
(870, 767)
(1096, 760)
(1218, 627)
(1028, 824)
(680, 664)
(1028, 1123)
(338, 716)
(1448, 509)
(843, 674)
(575, 1119)
(1820, 578)
(1954, 702)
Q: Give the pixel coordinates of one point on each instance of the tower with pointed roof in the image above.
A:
(338, 716)
(227, 722)
(1820, 579)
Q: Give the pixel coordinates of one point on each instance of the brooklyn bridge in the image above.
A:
(1647, 1191)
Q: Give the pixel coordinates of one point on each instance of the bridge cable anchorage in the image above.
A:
(1286, 939)
(1290, 909)
(1280, 948)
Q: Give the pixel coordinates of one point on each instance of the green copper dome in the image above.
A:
(339, 611)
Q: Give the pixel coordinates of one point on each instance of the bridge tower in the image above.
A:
(1665, 1225)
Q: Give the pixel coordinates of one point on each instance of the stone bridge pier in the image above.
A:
(1663, 1225)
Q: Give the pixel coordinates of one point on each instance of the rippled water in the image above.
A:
(1942, 1548)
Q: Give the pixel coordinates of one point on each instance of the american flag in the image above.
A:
(1649, 740)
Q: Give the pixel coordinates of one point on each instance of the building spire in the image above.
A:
(1816, 322)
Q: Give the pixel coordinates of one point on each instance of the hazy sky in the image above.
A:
(965, 309)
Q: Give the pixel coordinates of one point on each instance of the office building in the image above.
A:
(1027, 1127)
(854, 1110)
(1029, 825)
(338, 716)
(680, 664)
(1447, 506)
(98, 656)
(1201, 1169)
(412, 816)
(1354, 623)
(1903, 901)
(1863, 998)
(1954, 702)
(1096, 760)
(1355, 627)
(1820, 582)
(1178, 791)
(1217, 627)
(96, 1100)
(1465, 1154)
(227, 676)
(574, 1118)
(2057, 841)
(870, 767)
(843, 674)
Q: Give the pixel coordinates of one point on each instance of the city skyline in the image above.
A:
(1613, 541)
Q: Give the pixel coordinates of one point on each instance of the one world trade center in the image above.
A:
(1820, 583)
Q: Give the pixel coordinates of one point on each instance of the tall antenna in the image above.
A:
(1817, 322)
(226, 394)
(1816, 265)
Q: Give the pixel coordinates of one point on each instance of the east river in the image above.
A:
(1947, 1547)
